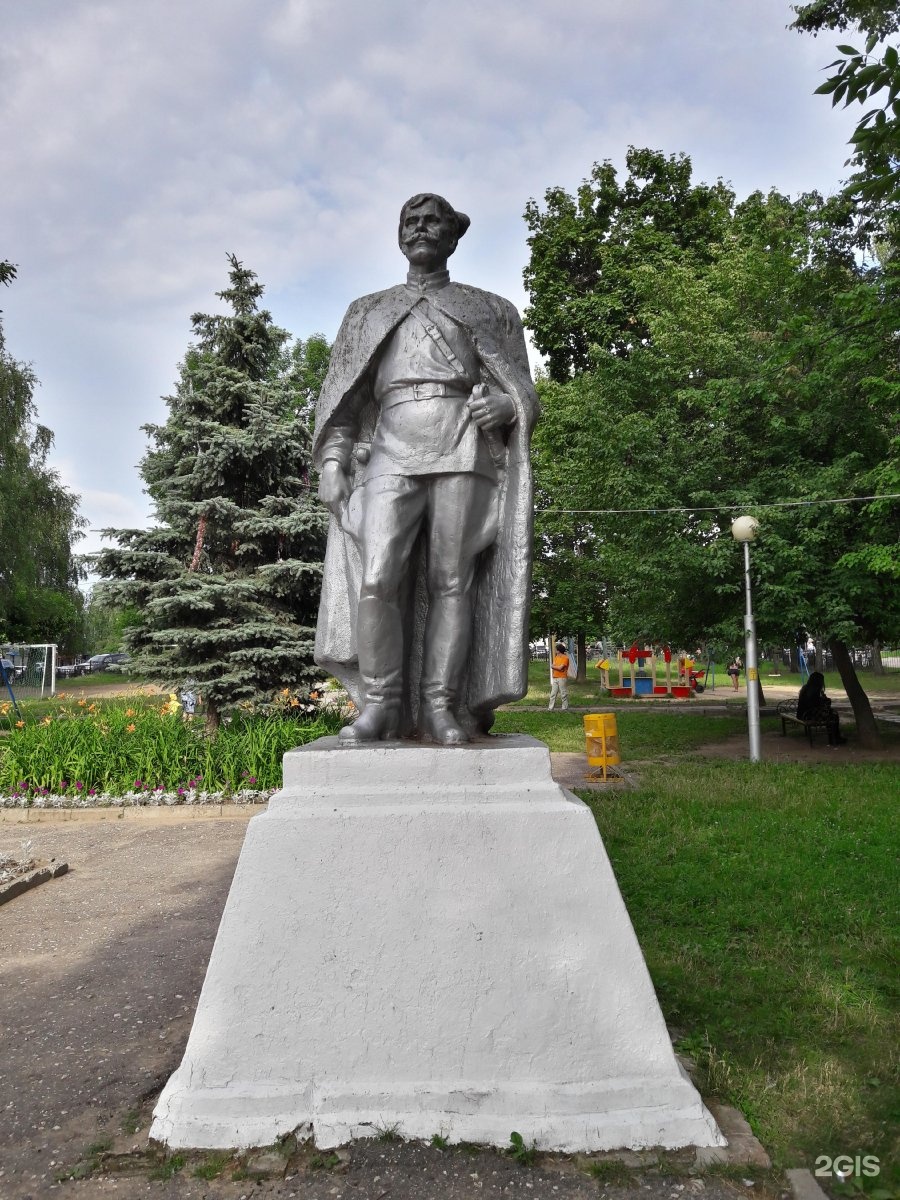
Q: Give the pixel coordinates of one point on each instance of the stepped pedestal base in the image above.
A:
(430, 940)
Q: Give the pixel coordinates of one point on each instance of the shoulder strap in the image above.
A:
(438, 338)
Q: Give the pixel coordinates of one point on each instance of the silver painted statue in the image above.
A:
(422, 440)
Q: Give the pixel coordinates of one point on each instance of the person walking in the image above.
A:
(559, 677)
(734, 670)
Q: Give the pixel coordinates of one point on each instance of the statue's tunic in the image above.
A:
(394, 402)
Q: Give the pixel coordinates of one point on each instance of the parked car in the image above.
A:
(68, 670)
(116, 661)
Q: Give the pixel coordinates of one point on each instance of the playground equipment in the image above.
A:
(637, 674)
(642, 678)
(638, 668)
(601, 735)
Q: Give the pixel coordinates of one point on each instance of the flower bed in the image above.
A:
(136, 751)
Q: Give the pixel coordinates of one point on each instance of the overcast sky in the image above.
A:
(144, 139)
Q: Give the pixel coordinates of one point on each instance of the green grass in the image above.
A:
(874, 685)
(168, 1168)
(643, 733)
(765, 901)
(211, 1167)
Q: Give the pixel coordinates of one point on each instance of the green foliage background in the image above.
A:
(39, 596)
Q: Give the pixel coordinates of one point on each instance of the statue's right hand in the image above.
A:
(334, 487)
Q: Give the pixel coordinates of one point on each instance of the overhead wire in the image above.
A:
(696, 508)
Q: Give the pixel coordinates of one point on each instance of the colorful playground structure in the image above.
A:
(638, 674)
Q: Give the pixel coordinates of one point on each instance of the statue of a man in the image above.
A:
(422, 438)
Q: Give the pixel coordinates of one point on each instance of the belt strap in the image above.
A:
(422, 391)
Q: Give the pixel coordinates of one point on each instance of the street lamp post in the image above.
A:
(744, 530)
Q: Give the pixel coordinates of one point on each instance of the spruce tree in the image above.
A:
(227, 582)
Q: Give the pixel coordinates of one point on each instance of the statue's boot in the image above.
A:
(448, 632)
(379, 640)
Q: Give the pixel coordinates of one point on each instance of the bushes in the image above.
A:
(115, 748)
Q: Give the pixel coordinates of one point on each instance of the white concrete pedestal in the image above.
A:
(429, 939)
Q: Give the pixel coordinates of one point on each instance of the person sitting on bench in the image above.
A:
(814, 705)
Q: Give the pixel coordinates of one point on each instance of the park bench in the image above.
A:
(787, 710)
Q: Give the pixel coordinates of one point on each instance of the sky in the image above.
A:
(144, 140)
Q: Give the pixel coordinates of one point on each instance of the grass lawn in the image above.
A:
(765, 900)
(874, 685)
(643, 733)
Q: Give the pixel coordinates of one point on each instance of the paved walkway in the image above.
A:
(99, 978)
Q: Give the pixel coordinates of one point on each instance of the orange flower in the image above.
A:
(46, 721)
(60, 695)
(285, 691)
(20, 724)
(92, 708)
(130, 728)
(129, 712)
(82, 703)
(4, 708)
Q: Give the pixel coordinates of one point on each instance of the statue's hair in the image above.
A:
(445, 208)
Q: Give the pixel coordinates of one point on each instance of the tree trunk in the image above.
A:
(795, 661)
(866, 725)
(877, 664)
(581, 676)
(213, 719)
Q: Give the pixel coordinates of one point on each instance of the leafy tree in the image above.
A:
(584, 308)
(307, 370)
(105, 623)
(765, 372)
(39, 521)
(862, 75)
(569, 587)
(227, 583)
(580, 275)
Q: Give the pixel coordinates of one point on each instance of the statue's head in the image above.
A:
(430, 229)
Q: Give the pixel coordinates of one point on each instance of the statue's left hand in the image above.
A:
(490, 410)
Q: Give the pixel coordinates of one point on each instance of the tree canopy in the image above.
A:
(227, 583)
(763, 372)
(859, 77)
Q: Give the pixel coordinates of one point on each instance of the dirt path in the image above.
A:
(794, 748)
(84, 690)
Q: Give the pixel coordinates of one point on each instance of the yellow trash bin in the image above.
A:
(601, 744)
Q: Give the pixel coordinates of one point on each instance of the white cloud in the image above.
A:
(144, 141)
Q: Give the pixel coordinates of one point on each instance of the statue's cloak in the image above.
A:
(497, 670)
